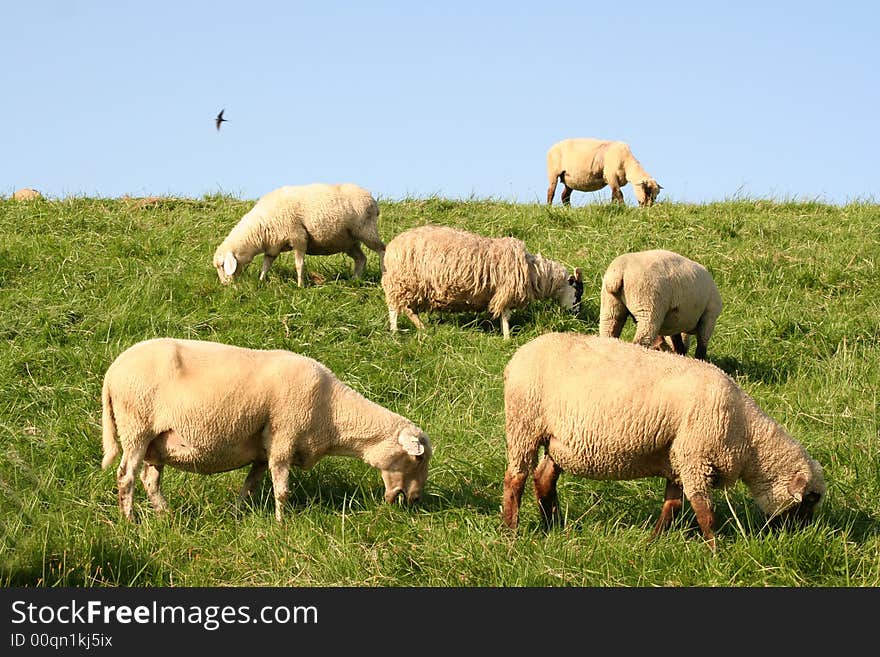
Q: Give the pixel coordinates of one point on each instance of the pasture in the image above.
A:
(81, 279)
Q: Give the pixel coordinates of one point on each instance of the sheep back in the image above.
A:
(218, 398)
(662, 284)
(443, 268)
(585, 161)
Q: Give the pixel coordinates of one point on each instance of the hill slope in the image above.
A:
(82, 279)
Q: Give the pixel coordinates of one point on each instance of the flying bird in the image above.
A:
(220, 118)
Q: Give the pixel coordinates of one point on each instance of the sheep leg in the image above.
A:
(566, 194)
(672, 504)
(299, 257)
(612, 316)
(374, 243)
(646, 331)
(514, 483)
(705, 517)
(616, 194)
(679, 345)
(360, 260)
(258, 469)
(129, 465)
(551, 191)
(267, 262)
(151, 478)
(704, 329)
(505, 324)
(544, 478)
(392, 319)
(411, 316)
(280, 470)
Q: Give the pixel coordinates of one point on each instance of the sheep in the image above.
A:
(315, 219)
(443, 268)
(207, 407)
(666, 294)
(26, 194)
(587, 165)
(606, 409)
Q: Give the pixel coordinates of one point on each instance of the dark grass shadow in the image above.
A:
(335, 492)
(318, 274)
(106, 565)
(751, 369)
(461, 496)
(742, 519)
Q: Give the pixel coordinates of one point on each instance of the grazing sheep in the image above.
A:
(606, 409)
(587, 165)
(316, 219)
(26, 194)
(206, 407)
(442, 268)
(665, 293)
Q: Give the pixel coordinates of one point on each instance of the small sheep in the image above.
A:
(587, 165)
(316, 219)
(26, 194)
(206, 407)
(442, 268)
(606, 409)
(665, 293)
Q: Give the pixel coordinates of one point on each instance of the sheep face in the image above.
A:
(576, 282)
(406, 471)
(568, 295)
(227, 265)
(646, 191)
(796, 499)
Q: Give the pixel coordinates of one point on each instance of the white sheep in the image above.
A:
(587, 165)
(26, 194)
(207, 407)
(665, 293)
(606, 409)
(443, 268)
(316, 219)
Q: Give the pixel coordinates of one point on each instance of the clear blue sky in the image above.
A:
(759, 99)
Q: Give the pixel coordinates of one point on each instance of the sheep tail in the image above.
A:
(613, 281)
(108, 421)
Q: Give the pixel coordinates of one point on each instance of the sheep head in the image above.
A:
(576, 281)
(646, 191)
(405, 468)
(227, 266)
(796, 499)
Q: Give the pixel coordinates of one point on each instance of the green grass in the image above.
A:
(82, 279)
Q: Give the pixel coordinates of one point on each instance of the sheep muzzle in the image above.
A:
(797, 515)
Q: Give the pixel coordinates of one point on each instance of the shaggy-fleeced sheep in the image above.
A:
(443, 268)
(207, 407)
(665, 293)
(26, 194)
(587, 165)
(606, 409)
(316, 219)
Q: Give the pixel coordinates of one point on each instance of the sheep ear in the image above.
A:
(230, 264)
(797, 486)
(411, 444)
(577, 274)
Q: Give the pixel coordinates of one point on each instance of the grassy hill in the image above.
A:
(82, 279)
